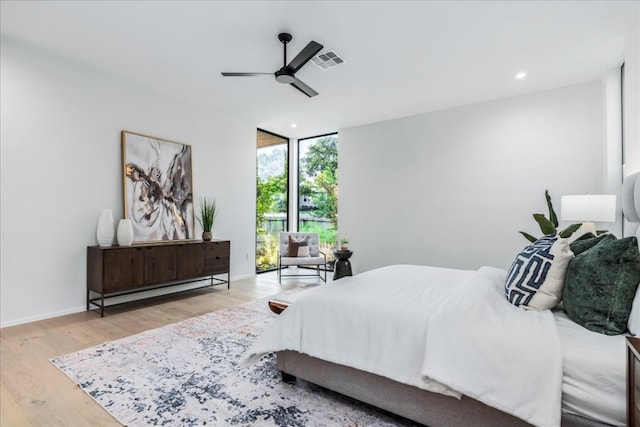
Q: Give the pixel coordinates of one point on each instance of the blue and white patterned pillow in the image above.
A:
(536, 277)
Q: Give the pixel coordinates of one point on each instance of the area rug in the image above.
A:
(192, 373)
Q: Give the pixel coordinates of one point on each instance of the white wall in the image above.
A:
(632, 95)
(612, 147)
(632, 103)
(61, 164)
(453, 188)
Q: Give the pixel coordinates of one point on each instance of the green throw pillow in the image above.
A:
(601, 283)
(585, 242)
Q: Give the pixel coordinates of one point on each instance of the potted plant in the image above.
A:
(344, 244)
(208, 214)
(549, 225)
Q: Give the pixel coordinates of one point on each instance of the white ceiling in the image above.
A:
(402, 57)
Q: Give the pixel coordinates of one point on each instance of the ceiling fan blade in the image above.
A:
(304, 56)
(302, 87)
(245, 74)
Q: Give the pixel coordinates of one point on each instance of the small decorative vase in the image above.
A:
(105, 231)
(206, 236)
(125, 232)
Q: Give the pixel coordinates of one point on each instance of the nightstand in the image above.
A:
(633, 382)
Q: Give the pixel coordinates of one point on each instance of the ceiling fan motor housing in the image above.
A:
(284, 76)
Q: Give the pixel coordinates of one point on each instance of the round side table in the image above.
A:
(342, 267)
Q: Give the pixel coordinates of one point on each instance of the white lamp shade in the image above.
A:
(588, 207)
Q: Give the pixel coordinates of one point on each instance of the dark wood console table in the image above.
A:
(122, 270)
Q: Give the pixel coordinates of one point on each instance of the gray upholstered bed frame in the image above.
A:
(430, 409)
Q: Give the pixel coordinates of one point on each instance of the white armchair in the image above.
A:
(316, 257)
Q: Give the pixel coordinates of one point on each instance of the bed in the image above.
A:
(444, 347)
(588, 399)
(323, 337)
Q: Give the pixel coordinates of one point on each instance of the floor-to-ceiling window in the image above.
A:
(272, 198)
(318, 188)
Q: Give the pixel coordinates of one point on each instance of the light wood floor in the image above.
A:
(33, 392)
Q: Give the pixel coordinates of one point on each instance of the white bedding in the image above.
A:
(484, 347)
(366, 322)
(594, 377)
(328, 322)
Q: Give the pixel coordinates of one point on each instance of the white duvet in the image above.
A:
(443, 330)
(594, 372)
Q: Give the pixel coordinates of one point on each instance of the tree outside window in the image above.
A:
(271, 203)
(318, 188)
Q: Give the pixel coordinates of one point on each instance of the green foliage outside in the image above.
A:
(271, 197)
(324, 235)
(267, 253)
(327, 237)
(318, 181)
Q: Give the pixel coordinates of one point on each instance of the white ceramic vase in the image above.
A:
(125, 232)
(105, 231)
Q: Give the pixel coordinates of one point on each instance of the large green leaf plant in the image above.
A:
(549, 225)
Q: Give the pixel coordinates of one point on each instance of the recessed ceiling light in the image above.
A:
(293, 125)
(521, 75)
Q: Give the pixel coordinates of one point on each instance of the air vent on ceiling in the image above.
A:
(328, 59)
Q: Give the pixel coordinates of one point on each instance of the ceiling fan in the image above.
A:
(287, 74)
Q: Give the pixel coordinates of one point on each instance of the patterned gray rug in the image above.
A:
(191, 374)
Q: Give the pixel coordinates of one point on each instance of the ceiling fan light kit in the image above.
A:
(287, 74)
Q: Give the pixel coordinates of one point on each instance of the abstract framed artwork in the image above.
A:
(157, 188)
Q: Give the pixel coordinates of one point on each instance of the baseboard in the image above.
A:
(245, 276)
(44, 316)
(127, 298)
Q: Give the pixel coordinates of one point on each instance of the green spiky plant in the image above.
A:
(344, 244)
(549, 225)
(208, 213)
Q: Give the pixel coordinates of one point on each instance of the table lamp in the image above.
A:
(588, 208)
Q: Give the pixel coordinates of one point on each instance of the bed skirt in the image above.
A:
(424, 407)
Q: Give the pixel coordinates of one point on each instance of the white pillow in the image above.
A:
(536, 277)
(303, 251)
(634, 318)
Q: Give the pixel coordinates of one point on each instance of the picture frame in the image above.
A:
(157, 188)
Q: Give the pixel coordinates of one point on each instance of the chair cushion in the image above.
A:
(298, 247)
(311, 260)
